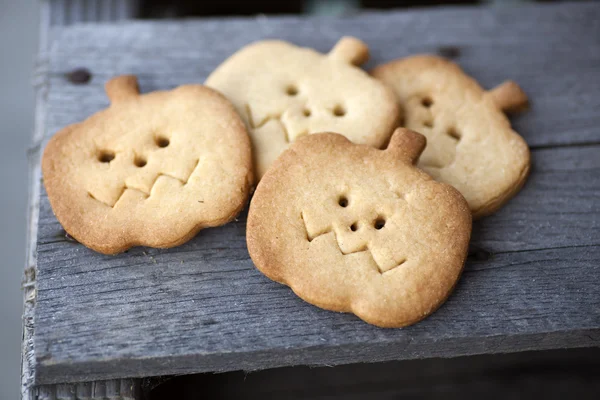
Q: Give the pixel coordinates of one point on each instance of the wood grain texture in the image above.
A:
(555, 59)
(115, 389)
(532, 283)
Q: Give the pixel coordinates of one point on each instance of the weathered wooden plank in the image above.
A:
(114, 389)
(83, 390)
(516, 301)
(49, 392)
(556, 59)
(66, 391)
(204, 307)
(129, 389)
(46, 393)
(98, 390)
(67, 12)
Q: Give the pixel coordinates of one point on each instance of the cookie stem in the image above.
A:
(407, 144)
(122, 88)
(509, 97)
(350, 50)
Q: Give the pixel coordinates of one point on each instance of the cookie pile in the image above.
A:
(353, 209)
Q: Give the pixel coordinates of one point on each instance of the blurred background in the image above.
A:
(19, 33)
(18, 45)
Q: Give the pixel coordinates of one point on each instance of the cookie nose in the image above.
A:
(353, 238)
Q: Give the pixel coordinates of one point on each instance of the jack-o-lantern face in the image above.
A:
(149, 170)
(470, 144)
(284, 92)
(356, 229)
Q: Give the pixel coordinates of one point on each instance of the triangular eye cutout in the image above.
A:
(407, 144)
(350, 50)
(122, 88)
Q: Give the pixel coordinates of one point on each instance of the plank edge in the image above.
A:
(314, 356)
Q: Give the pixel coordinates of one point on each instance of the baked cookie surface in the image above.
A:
(470, 143)
(356, 229)
(149, 170)
(284, 92)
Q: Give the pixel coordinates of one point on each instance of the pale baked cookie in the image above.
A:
(151, 169)
(356, 229)
(470, 143)
(283, 92)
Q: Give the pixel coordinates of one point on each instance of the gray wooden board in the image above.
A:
(116, 389)
(204, 307)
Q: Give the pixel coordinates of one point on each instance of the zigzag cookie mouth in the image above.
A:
(288, 135)
(146, 194)
(363, 249)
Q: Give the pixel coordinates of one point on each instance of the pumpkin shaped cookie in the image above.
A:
(356, 229)
(284, 92)
(470, 144)
(150, 170)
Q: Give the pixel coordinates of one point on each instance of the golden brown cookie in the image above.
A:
(470, 143)
(150, 170)
(355, 229)
(284, 92)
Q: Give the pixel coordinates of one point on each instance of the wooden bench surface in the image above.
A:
(531, 282)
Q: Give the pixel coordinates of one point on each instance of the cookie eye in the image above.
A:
(343, 201)
(291, 90)
(140, 161)
(379, 223)
(339, 111)
(453, 133)
(106, 156)
(354, 227)
(426, 102)
(161, 141)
